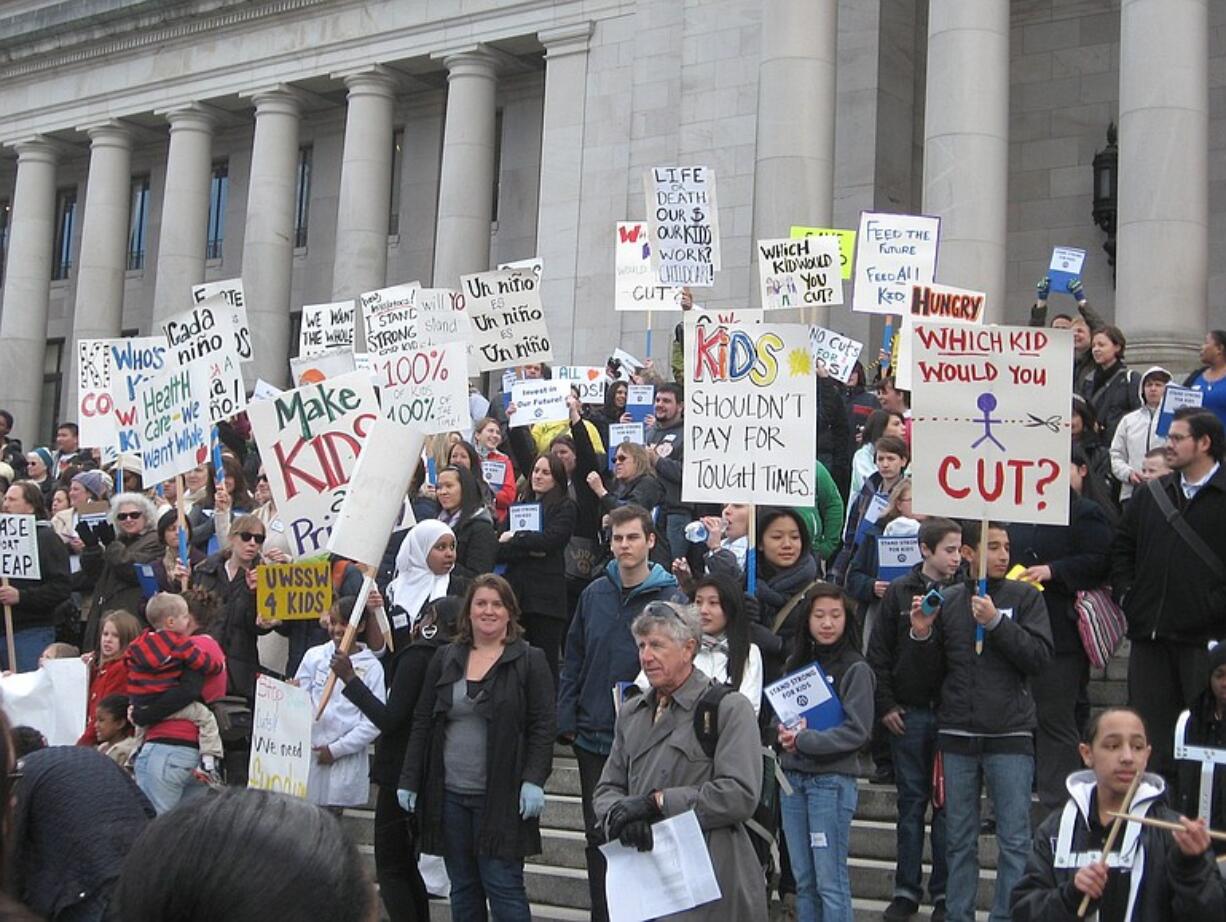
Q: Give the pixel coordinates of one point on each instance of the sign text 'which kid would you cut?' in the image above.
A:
(684, 223)
(801, 272)
(751, 412)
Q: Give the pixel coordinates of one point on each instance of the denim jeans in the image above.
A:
(29, 645)
(164, 773)
(913, 755)
(1009, 778)
(817, 824)
(476, 878)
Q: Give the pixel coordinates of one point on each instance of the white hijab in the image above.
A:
(415, 583)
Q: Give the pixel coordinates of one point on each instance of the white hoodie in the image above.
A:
(1134, 437)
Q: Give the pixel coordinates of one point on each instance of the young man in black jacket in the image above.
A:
(1172, 598)
(906, 704)
(986, 647)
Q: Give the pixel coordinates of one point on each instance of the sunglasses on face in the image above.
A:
(620, 459)
(128, 516)
(256, 536)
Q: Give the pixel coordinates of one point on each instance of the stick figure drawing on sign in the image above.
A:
(987, 403)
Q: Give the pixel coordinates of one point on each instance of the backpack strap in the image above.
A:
(706, 716)
(1176, 520)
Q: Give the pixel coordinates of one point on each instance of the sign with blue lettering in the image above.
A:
(893, 253)
(806, 694)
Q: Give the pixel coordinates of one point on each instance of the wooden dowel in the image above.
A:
(1116, 825)
(1164, 824)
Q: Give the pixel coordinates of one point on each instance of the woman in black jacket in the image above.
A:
(1111, 389)
(462, 507)
(479, 754)
(634, 480)
(400, 884)
(536, 565)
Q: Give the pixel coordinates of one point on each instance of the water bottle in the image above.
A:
(696, 532)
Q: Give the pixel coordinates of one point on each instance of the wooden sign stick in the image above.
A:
(1116, 825)
(385, 627)
(351, 629)
(1163, 824)
(8, 631)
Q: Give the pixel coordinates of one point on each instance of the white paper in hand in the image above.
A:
(674, 876)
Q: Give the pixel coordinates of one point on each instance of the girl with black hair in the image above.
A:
(536, 560)
(462, 507)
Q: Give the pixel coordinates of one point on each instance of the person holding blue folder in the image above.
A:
(821, 755)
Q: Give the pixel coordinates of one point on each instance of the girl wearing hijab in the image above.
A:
(424, 566)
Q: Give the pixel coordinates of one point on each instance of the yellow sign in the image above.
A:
(847, 243)
(298, 591)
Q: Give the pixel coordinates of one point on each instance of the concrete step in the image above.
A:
(873, 879)
(879, 840)
(440, 911)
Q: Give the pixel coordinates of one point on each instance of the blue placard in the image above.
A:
(148, 582)
(872, 512)
(807, 693)
(640, 401)
(896, 555)
(1173, 398)
(1066, 265)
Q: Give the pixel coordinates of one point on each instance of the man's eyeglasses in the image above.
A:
(128, 516)
(256, 536)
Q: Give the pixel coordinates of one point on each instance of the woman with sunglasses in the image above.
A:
(129, 538)
(634, 479)
(230, 574)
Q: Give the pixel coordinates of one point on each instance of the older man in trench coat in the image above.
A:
(658, 767)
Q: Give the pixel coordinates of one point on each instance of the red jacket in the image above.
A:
(109, 679)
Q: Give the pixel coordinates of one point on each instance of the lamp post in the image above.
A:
(1106, 187)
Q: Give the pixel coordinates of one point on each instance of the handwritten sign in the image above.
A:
(684, 223)
(205, 335)
(95, 405)
(298, 591)
(539, 401)
(326, 326)
(280, 738)
(424, 388)
(524, 517)
(508, 321)
(635, 284)
(846, 239)
(389, 317)
(19, 547)
(894, 252)
(590, 381)
(311, 369)
(535, 265)
(990, 422)
(939, 303)
(751, 414)
(172, 410)
(836, 352)
(903, 340)
(802, 272)
(132, 361)
(230, 294)
(309, 440)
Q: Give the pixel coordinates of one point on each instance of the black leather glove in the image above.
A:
(630, 810)
(638, 835)
(87, 535)
(105, 533)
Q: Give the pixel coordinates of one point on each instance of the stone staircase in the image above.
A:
(557, 882)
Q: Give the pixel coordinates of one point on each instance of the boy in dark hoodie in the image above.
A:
(1206, 728)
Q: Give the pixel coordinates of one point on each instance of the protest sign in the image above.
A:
(901, 360)
(494, 473)
(635, 285)
(1066, 263)
(938, 303)
(95, 405)
(801, 272)
(524, 517)
(1175, 397)
(443, 316)
(624, 432)
(172, 410)
(18, 547)
(372, 503)
(990, 422)
(425, 388)
(846, 239)
(298, 591)
(535, 265)
(52, 699)
(280, 738)
(740, 315)
(896, 555)
(326, 326)
(131, 362)
(539, 400)
(508, 322)
(228, 298)
(684, 223)
(204, 335)
(262, 390)
(389, 317)
(893, 252)
(309, 440)
(311, 369)
(838, 353)
(806, 695)
(751, 415)
(640, 401)
(590, 381)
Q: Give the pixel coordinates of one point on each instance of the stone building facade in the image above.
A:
(321, 148)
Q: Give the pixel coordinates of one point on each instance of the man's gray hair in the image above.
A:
(679, 622)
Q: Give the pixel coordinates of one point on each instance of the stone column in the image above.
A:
(966, 142)
(1162, 244)
(360, 262)
(27, 288)
(98, 313)
(268, 242)
(185, 210)
(465, 196)
(557, 218)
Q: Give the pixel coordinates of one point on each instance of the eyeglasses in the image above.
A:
(128, 516)
(1176, 437)
(662, 608)
(256, 536)
(620, 459)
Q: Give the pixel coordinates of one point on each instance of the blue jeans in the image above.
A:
(476, 878)
(29, 645)
(817, 824)
(164, 773)
(913, 755)
(1009, 779)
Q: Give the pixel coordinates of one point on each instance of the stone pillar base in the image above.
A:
(1178, 354)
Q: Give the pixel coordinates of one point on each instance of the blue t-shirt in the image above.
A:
(1215, 394)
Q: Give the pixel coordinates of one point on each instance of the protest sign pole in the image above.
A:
(351, 629)
(983, 577)
(181, 507)
(887, 339)
(8, 631)
(751, 557)
(385, 627)
(118, 472)
(648, 335)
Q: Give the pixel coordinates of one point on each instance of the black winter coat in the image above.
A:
(1113, 398)
(1164, 589)
(235, 629)
(896, 686)
(536, 561)
(476, 545)
(38, 599)
(1078, 556)
(517, 705)
(833, 433)
(587, 460)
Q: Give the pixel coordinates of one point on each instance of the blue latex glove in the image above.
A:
(407, 799)
(1075, 289)
(1042, 289)
(531, 800)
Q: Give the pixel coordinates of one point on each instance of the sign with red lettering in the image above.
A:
(95, 405)
(309, 440)
(990, 422)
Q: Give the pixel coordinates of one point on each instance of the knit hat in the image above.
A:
(95, 483)
(44, 455)
(1217, 656)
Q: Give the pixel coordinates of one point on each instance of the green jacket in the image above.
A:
(825, 519)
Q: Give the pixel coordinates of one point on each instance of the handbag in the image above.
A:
(1100, 624)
